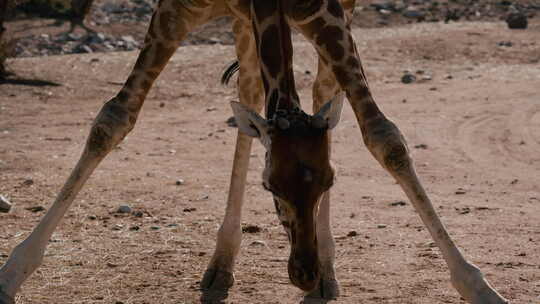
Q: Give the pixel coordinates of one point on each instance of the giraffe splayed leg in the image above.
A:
(326, 28)
(170, 24)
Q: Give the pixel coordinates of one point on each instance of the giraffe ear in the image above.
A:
(250, 123)
(329, 115)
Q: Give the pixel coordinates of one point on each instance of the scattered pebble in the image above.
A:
(505, 43)
(28, 182)
(155, 227)
(35, 208)
(251, 228)
(191, 209)
(408, 78)
(380, 226)
(5, 205)
(517, 21)
(179, 182)
(92, 217)
(258, 243)
(460, 191)
(231, 122)
(421, 146)
(117, 227)
(398, 203)
(352, 233)
(124, 209)
(464, 210)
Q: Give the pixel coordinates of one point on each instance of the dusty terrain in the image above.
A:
(473, 130)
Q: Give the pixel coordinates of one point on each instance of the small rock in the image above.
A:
(421, 146)
(408, 78)
(251, 229)
(460, 191)
(134, 228)
(155, 227)
(258, 243)
(352, 233)
(129, 39)
(381, 226)
(398, 203)
(83, 48)
(5, 205)
(118, 227)
(35, 208)
(189, 209)
(414, 13)
(505, 43)
(179, 182)
(28, 182)
(517, 21)
(124, 209)
(138, 214)
(73, 37)
(464, 210)
(92, 217)
(231, 122)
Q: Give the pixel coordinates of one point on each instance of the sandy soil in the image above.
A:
(473, 130)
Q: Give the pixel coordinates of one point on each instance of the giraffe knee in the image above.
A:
(387, 144)
(111, 125)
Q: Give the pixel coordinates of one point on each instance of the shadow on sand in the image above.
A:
(219, 297)
(28, 82)
(214, 296)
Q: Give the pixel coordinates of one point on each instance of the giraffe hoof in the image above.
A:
(215, 279)
(5, 299)
(327, 289)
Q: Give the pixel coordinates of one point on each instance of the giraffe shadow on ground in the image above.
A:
(214, 296)
(308, 300)
(28, 82)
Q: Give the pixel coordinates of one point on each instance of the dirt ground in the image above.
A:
(473, 130)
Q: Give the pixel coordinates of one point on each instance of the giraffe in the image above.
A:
(323, 23)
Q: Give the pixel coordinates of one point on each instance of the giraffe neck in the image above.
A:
(274, 47)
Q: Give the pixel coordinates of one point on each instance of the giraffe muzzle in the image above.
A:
(304, 269)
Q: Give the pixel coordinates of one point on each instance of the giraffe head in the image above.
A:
(297, 172)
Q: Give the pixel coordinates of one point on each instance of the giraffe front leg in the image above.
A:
(219, 274)
(324, 89)
(388, 146)
(110, 127)
(170, 23)
(327, 30)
